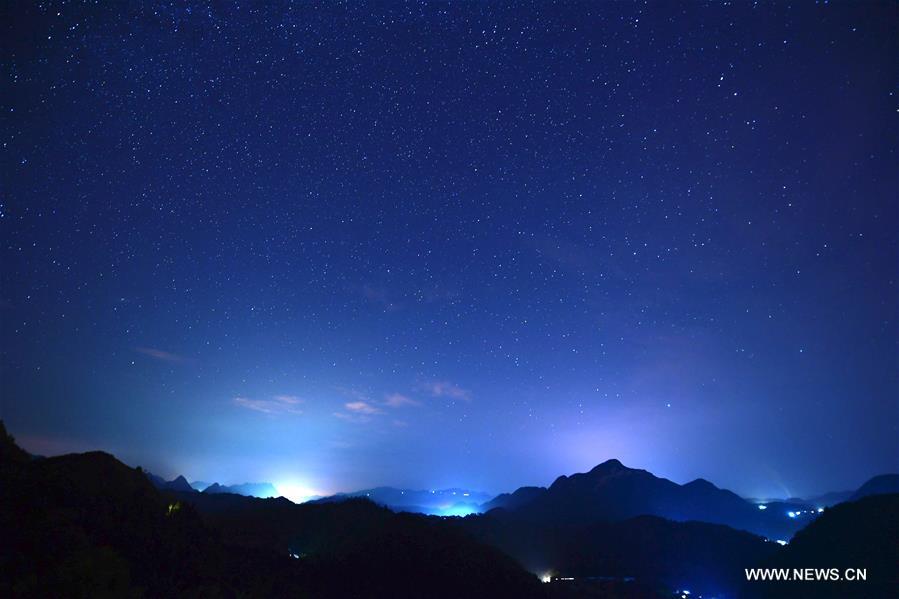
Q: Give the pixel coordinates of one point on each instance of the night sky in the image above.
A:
(432, 245)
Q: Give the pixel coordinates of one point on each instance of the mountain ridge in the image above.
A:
(611, 491)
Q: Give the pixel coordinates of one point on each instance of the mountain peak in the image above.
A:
(179, 484)
(700, 483)
(612, 466)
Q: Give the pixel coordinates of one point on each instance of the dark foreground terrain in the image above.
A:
(86, 525)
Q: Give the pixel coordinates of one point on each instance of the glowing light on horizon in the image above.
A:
(296, 491)
(460, 510)
(762, 506)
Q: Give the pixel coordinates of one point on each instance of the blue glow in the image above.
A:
(287, 305)
(460, 509)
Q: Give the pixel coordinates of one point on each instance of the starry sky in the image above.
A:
(453, 244)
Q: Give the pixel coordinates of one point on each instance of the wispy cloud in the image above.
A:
(398, 400)
(361, 407)
(446, 389)
(279, 404)
(159, 354)
(288, 399)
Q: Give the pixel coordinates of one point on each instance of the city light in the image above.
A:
(459, 509)
(295, 491)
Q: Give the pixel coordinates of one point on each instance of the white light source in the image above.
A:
(791, 514)
(780, 542)
(762, 506)
(295, 490)
(546, 577)
(820, 509)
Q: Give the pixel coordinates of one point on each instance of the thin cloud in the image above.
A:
(361, 407)
(447, 389)
(159, 354)
(279, 404)
(288, 399)
(398, 400)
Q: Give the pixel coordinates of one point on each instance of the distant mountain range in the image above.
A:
(443, 502)
(177, 484)
(180, 484)
(261, 490)
(613, 492)
(608, 492)
(861, 533)
(879, 485)
(616, 523)
(829, 499)
(88, 525)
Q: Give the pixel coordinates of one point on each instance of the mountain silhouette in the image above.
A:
(514, 500)
(829, 499)
(855, 534)
(611, 492)
(215, 488)
(179, 483)
(87, 525)
(707, 558)
(262, 490)
(879, 485)
(10, 453)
